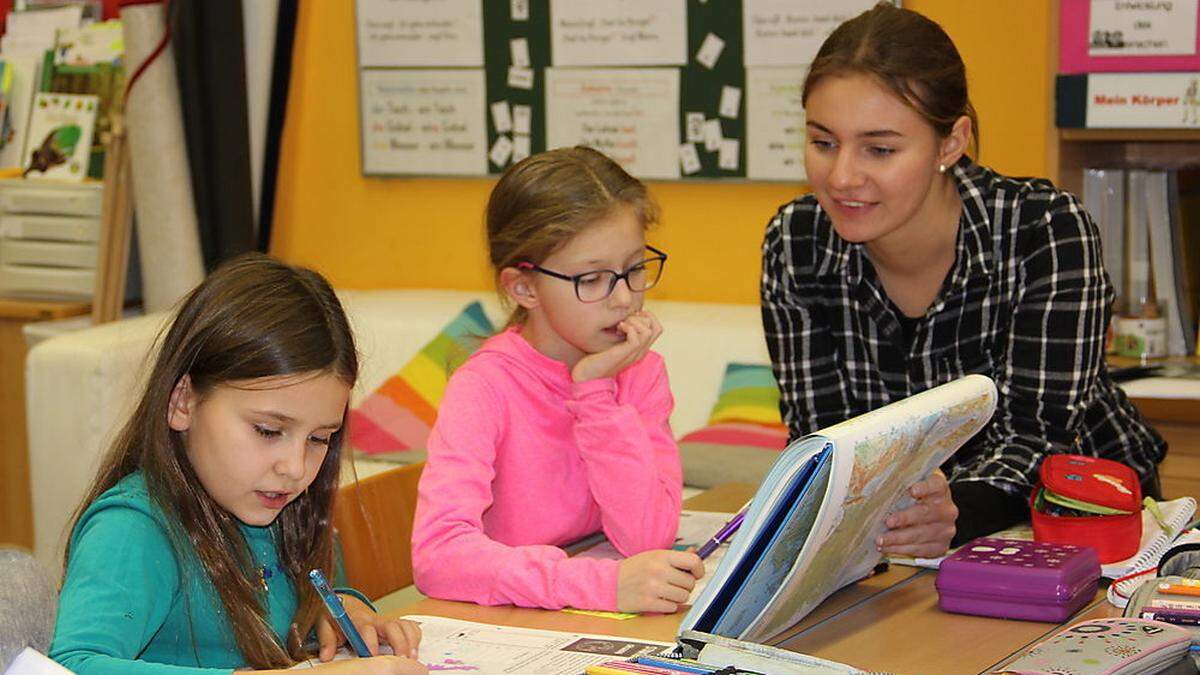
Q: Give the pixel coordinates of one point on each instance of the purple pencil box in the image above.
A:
(1015, 579)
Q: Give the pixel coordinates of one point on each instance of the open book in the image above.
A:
(812, 526)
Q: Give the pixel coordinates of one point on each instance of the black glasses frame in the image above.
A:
(660, 256)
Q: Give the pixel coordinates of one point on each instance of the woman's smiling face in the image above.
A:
(871, 159)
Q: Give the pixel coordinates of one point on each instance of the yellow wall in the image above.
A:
(427, 233)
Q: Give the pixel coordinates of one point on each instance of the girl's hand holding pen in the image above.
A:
(401, 635)
(657, 581)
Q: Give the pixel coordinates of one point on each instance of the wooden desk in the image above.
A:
(16, 516)
(889, 622)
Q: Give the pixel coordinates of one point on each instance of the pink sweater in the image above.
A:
(523, 460)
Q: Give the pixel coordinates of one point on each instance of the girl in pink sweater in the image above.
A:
(557, 428)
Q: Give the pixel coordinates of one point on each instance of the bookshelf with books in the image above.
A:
(1120, 105)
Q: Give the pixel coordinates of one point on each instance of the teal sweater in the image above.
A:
(126, 606)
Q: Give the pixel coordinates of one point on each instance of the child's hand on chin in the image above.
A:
(641, 330)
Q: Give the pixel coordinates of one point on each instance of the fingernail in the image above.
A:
(879, 542)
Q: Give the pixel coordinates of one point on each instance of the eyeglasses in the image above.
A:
(597, 285)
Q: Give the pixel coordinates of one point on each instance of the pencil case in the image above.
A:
(1088, 501)
(1113, 646)
(1017, 579)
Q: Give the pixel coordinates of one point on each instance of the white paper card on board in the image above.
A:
(731, 98)
(689, 159)
(522, 119)
(413, 33)
(713, 135)
(519, 49)
(789, 33)
(618, 33)
(631, 115)
(710, 51)
(520, 78)
(501, 151)
(424, 121)
(775, 123)
(694, 125)
(501, 119)
(519, 10)
(727, 158)
(521, 147)
(1142, 28)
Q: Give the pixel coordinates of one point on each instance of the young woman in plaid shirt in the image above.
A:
(909, 266)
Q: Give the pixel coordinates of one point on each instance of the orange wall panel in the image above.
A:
(428, 233)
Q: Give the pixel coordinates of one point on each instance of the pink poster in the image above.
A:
(1076, 35)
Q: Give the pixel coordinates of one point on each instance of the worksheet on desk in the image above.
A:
(451, 644)
(485, 649)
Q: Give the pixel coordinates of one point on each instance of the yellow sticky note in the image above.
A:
(620, 616)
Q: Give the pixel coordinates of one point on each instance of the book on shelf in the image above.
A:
(35, 281)
(1149, 225)
(59, 143)
(1128, 100)
(1104, 198)
(49, 227)
(26, 72)
(48, 253)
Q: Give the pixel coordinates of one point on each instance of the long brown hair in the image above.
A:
(253, 317)
(544, 200)
(908, 54)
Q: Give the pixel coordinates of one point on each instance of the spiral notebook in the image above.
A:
(1177, 513)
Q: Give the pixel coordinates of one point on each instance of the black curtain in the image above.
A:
(210, 58)
(281, 72)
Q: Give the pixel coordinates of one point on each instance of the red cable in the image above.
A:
(162, 45)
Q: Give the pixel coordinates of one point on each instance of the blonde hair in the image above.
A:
(544, 200)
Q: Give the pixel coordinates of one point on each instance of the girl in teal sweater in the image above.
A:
(191, 552)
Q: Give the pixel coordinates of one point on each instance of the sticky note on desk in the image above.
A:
(619, 616)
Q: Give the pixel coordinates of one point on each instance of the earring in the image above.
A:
(941, 168)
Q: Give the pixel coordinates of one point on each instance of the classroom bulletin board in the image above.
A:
(670, 89)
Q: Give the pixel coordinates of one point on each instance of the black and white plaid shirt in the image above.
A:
(1026, 303)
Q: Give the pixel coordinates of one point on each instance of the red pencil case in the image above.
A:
(1091, 483)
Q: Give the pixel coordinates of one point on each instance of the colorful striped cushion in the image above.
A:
(399, 414)
(749, 393)
(768, 436)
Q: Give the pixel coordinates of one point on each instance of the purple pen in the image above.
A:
(722, 535)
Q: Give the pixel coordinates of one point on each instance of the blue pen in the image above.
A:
(338, 612)
(675, 665)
